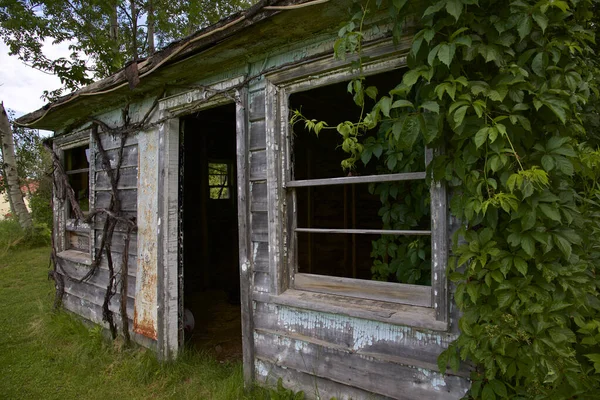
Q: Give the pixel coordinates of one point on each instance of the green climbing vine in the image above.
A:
(509, 90)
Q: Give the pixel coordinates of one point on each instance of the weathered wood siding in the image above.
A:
(86, 298)
(259, 220)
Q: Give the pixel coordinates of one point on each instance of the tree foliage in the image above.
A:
(102, 34)
(509, 90)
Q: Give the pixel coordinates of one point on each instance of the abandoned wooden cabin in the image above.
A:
(191, 190)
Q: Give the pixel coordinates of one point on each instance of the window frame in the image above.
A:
(63, 222)
(229, 175)
(381, 57)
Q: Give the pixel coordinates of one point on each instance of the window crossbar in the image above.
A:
(77, 171)
(366, 231)
(408, 176)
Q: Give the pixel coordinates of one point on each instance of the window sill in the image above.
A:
(392, 313)
(76, 256)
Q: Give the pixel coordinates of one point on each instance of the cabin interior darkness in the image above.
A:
(337, 206)
(209, 231)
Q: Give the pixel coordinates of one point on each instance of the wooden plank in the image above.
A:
(128, 199)
(258, 165)
(440, 246)
(257, 105)
(75, 256)
(118, 242)
(409, 176)
(112, 142)
(417, 347)
(382, 291)
(78, 270)
(262, 282)
(168, 272)
(93, 313)
(314, 387)
(100, 220)
(99, 280)
(130, 157)
(372, 63)
(73, 225)
(365, 231)
(258, 196)
(259, 227)
(258, 140)
(273, 122)
(260, 256)
(95, 295)
(244, 228)
(400, 314)
(386, 378)
(79, 241)
(127, 179)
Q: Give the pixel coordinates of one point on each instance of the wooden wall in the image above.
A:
(258, 191)
(86, 298)
(326, 354)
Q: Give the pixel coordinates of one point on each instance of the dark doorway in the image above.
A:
(209, 232)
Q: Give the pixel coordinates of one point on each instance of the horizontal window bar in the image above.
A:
(77, 171)
(409, 176)
(365, 231)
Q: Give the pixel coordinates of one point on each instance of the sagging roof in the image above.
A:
(134, 78)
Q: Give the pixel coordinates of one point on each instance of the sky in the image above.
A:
(21, 86)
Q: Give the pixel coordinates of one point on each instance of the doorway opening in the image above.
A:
(208, 233)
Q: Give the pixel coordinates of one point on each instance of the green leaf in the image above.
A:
(411, 77)
(563, 244)
(459, 115)
(371, 91)
(550, 212)
(524, 27)
(454, 8)
(402, 103)
(434, 8)
(499, 388)
(488, 393)
(505, 297)
(432, 54)
(446, 53)
(541, 20)
(528, 244)
(520, 265)
(558, 108)
(481, 136)
(432, 106)
(385, 103)
(539, 64)
(429, 35)
(430, 126)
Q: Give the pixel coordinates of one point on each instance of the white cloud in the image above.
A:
(21, 86)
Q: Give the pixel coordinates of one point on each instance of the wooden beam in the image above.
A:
(409, 176)
(365, 231)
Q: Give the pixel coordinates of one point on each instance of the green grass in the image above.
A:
(52, 355)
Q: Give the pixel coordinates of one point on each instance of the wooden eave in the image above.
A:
(260, 31)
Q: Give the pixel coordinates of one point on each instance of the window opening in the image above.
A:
(219, 180)
(370, 223)
(77, 168)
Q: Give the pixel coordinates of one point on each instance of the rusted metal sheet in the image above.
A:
(145, 311)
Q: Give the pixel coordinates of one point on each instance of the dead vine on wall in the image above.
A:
(64, 194)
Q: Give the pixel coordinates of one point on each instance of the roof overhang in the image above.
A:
(267, 25)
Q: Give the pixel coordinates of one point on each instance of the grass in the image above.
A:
(52, 355)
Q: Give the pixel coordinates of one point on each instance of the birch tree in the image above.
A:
(10, 172)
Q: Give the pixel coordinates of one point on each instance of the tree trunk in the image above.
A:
(113, 33)
(150, 32)
(134, 27)
(10, 167)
